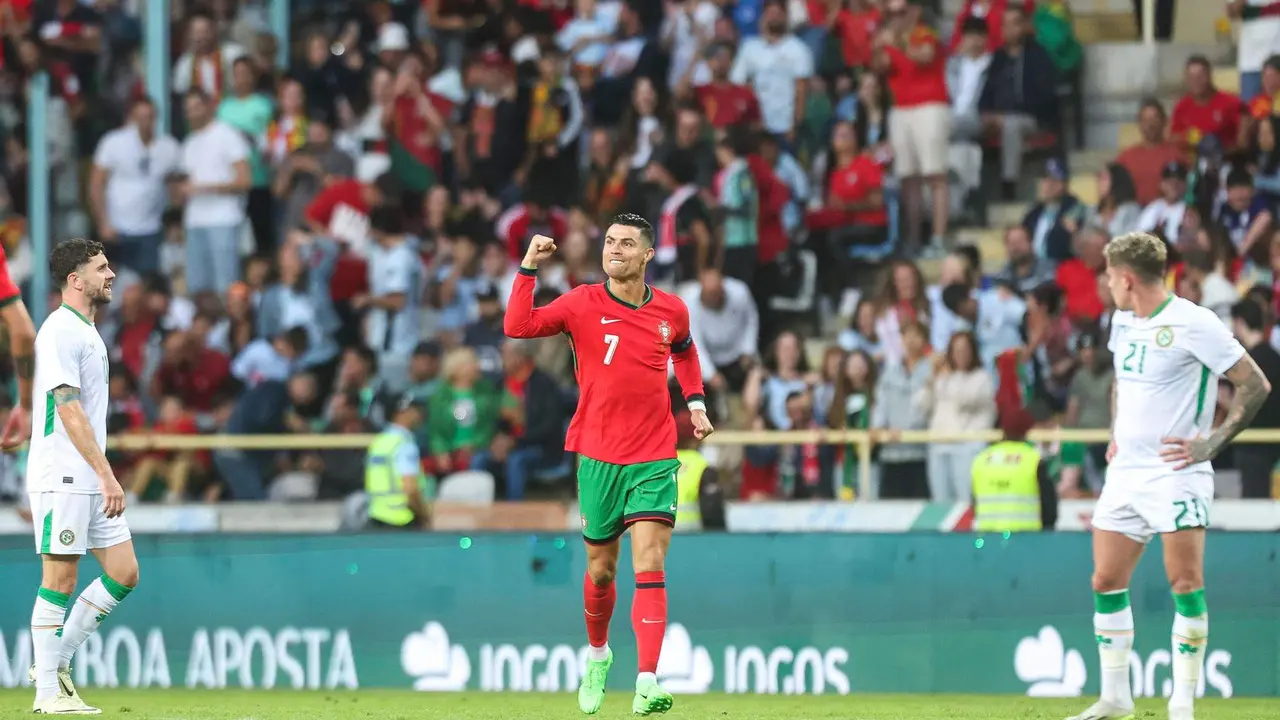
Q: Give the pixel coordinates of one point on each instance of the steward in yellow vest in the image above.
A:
(1012, 490)
(699, 497)
(393, 478)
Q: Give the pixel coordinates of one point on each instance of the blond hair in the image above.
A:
(1143, 253)
(454, 360)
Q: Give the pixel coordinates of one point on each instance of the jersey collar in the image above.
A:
(648, 295)
(1162, 306)
(77, 314)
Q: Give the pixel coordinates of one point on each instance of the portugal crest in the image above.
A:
(664, 330)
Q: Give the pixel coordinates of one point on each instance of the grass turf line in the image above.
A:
(402, 705)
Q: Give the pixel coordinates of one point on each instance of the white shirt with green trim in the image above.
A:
(69, 351)
(1167, 366)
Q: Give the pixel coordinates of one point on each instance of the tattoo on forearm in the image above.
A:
(1250, 392)
(25, 366)
(65, 395)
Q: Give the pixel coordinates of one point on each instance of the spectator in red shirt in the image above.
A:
(522, 221)
(174, 466)
(920, 121)
(1205, 110)
(191, 372)
(723, 102)
(1078, 276)
(1147, 160)
(856, 26)
(853, 214)
(341, 211)
(991, 12)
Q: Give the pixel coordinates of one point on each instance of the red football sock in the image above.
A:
(649, 618)
(597, 604)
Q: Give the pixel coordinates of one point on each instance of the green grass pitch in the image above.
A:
(396, 705)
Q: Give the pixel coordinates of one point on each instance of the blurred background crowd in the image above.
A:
(312, 242)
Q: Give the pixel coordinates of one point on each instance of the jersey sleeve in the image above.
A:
(1113, 338)
(1209, 340)
(62, 365)
(684, 358)
(9, 292)
(523, 320)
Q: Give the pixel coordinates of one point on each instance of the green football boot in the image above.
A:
(650, 698)
(591, 691)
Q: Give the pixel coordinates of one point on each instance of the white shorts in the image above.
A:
(71, 523)
(1139, 505)
(921, 140)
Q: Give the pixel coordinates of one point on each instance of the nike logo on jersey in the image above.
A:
(647, 621)
(606, 321)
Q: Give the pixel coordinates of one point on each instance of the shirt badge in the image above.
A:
(664, 329)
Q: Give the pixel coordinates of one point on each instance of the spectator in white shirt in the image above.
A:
(215, 162)
(687, 29)
(725, 327)
(1164, 214)
(586, 37)
(966, 76)
(127, 188)
(777, 65)
(206, 65)
(395, 290)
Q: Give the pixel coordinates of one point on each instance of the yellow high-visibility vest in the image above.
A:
(388, 502)
(688, 482)
(1006, 489)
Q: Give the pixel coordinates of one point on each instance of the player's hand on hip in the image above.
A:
(17, 428)
(112, 497)
(541, 247)
(701, 424)
(1111, 451)
(1185, 453)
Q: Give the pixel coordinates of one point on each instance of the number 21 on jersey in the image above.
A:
(1135, 358)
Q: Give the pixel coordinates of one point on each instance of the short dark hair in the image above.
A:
(199, 94)
(1152, 103)
(69, 256)
(1239, 177)
(296, 338)
(635, 221)
(974, 26)
(1249, 313)
(970, 252)
(954, 296)
(1202, 61)
(245, 60)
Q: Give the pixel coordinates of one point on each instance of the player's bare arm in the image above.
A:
(1251, 390)
(1111, 446)
(66, 400)
(522, 319)
(22, 339)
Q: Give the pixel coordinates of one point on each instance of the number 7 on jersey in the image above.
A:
(612, 342)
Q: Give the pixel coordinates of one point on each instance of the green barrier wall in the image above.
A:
(750, 613)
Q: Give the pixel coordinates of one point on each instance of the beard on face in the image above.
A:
(777, 27)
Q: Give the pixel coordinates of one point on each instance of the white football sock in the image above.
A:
(1113, 629)
(1190, 636)
(597, 654)
(46, 639)
(92, 607)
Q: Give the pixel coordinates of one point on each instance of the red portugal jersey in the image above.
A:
(620, 352)
(8, 290)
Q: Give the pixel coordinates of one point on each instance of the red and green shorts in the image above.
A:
(613, 497)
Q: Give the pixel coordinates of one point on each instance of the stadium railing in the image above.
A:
(862, 441)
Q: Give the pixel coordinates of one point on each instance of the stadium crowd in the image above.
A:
(313, 241)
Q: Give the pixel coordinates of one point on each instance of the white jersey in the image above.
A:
(69, 351)
(1167, 367)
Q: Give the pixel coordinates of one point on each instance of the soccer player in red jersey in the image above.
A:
(622, 333)
(22, 342)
